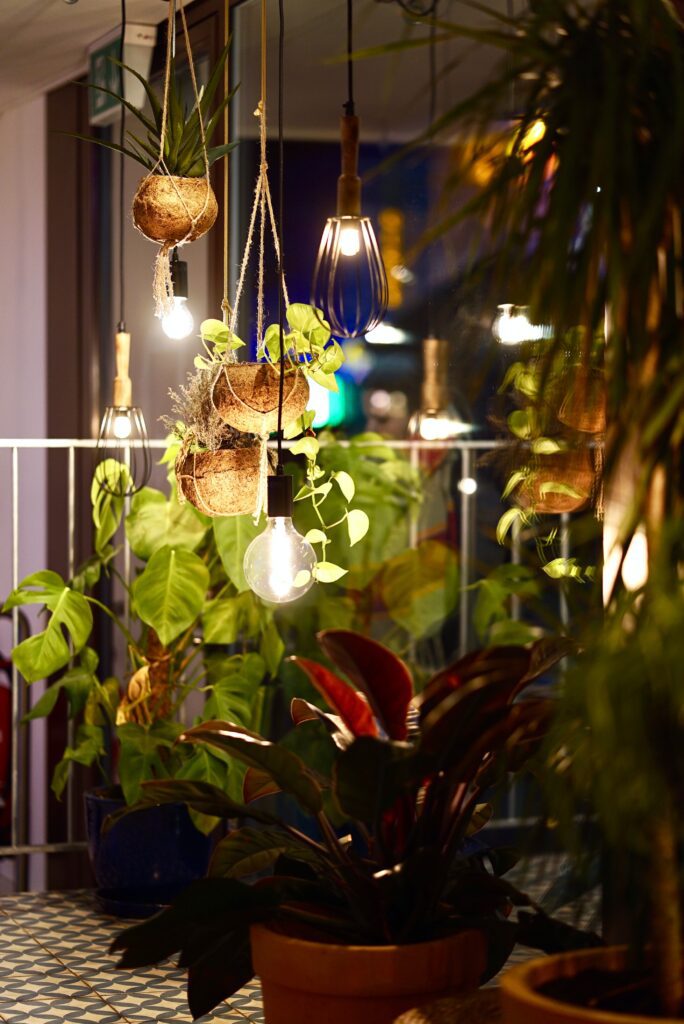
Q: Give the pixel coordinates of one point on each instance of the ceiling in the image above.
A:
(44, 43)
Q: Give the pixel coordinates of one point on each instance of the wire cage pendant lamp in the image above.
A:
(123, 433)
(349, 281)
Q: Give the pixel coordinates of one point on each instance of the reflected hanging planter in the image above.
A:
(559, 482)
(225, 482)
(584, 407)
(245, 396)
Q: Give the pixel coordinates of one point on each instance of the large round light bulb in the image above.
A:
(179, 321)
(122, 426)
(279, 562)
(350, 240)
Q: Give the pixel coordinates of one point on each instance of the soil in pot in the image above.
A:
(625, 991)
(167, 208)
(223, 482)
(246, 396)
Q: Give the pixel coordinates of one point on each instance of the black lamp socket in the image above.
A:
(280, 503)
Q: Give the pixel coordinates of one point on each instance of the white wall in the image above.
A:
(23, 410)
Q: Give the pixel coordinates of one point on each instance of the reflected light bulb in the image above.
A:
(512, 326)
(121, 427)
(441, 426)
(350, 241)
(279, 562)
(179, 322)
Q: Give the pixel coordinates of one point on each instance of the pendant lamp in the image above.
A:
(123, 434)
(349, 281)
(279, 563)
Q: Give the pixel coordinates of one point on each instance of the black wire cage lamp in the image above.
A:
(349, 282)
(123, 434)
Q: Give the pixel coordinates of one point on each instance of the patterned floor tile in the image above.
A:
(56, 969)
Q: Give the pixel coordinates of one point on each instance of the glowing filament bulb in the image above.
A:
(350, 240)
(121, 426)
(178, 322)
(279, 562)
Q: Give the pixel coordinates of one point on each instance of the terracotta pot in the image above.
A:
(165, 206)
(573, 468)
(222, 483)
(304, 981)
(584, 406)
(524, 1004)
(246, 396)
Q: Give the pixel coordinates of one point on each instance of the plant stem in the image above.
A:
(115, 619)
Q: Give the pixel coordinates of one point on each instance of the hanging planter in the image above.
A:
(584, 406)
(174, 203)
(558, 482)
(170, 210)
(224, 482)
(245, 396)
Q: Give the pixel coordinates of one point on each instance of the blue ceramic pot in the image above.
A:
(147, 857)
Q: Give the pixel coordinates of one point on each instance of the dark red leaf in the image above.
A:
(377, 671)
(341, 697)
(256, 784)
(506, 666)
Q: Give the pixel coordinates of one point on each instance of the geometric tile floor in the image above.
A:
(55, 968)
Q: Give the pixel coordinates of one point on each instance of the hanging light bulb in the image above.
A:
(123, 434)
(512, 326)
(179, 321)
(437, 419)
(279, 562)
(349, 282)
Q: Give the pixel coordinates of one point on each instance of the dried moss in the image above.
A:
(195, 416)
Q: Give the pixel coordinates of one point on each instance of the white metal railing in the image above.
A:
(19, 846)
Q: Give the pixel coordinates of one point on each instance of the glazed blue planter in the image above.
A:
(145, 859)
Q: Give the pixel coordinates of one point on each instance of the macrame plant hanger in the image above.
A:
(162, 287)
(261, 213)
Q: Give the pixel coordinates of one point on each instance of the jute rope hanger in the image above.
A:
(262, 208)
(162, 287)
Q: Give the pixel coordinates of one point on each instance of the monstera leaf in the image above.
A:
(169, 594)
(70, 619)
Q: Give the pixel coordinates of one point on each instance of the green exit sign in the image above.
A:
(105, 73)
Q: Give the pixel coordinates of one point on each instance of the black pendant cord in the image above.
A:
(122, 219)
(281, 200)
(349, 105)
(432, 113)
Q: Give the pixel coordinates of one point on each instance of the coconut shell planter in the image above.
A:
(223, 482)
(246, 396)
(170, 209)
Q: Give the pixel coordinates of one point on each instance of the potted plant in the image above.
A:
(559, 413)
(584, 208)
(246, 394)
(388, 906)
(176, 204)
(227, 409)
(128, 726)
